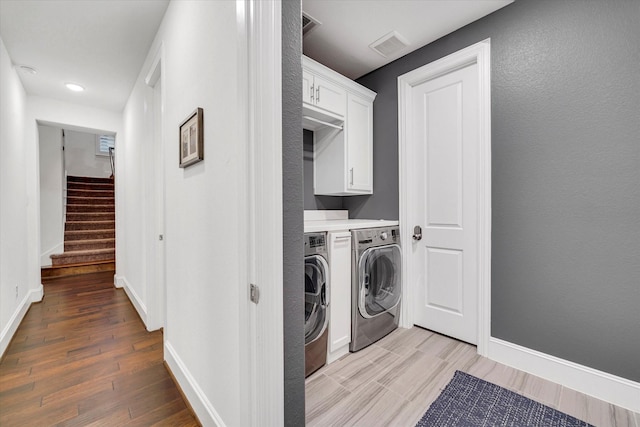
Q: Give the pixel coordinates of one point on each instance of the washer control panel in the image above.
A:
(315, 243)
(376, 236)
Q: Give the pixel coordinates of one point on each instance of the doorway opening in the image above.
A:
(77, 200)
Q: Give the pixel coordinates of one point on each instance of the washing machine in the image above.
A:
(316, 301)
(376, 284)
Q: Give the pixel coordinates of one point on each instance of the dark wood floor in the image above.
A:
(82, 357)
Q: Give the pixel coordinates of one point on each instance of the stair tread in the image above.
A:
(78, 264)
(106, 221)
(100, 191)
(102, 230)
(84, 252)
(89, 186)
(92, 195)
(101, 240)
(89, 204)
(83, 198)
(75, 178)
(87, 216)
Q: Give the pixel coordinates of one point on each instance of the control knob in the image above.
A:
(383, 235)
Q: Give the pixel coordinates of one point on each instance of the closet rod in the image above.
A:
(313, 119)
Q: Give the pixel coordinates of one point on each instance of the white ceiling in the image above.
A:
(350, 26)
(99, 44)
(102, 44)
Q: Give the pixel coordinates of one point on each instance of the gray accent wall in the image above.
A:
(565, 174)
(292, 216)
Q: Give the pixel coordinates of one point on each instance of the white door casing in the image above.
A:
(446, 254)
(260, 111)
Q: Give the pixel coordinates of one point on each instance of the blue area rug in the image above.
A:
(470, 401)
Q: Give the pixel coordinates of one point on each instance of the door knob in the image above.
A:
(417, 233)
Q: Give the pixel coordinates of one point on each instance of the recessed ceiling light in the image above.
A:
(74, 87)
(28, 69)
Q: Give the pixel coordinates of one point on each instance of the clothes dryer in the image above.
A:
(316, 301)
(376, 285)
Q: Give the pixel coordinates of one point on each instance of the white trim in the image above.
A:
(262, 324)
(203, 408)
(246, 312)
(34, 295)
(337, 354)
(155, 70)
(610, 388)
(479, 53)
(141, 308)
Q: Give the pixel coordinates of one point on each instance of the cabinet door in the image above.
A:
(340, 288)
(329, 96)
(307, 85)
(359, 135)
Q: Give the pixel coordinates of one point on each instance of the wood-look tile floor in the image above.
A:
(394, 381)
(82, 357)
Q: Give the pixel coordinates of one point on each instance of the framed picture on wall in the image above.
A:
(192, 139)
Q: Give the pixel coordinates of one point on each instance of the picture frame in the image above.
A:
(191, 139)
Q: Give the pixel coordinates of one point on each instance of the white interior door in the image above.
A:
(160, 261)
(156, 285)
(445, 137)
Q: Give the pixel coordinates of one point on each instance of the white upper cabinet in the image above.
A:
(340, 112)
(323, 94)
(359, 136)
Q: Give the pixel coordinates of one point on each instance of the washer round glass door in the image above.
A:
(379, 280)
(315, 297)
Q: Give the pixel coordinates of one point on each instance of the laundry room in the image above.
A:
(355, 277)
(410, 134)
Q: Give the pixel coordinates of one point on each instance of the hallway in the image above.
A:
(83, 357)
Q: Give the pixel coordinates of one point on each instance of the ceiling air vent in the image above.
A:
(389, 44)
(309, 23)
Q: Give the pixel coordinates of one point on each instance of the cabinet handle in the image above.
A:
(318, 94)
(312, 91)
(351, 176)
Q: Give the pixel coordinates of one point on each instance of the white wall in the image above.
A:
(17, 289)
(80, 155)
(205, 259)
(51, 193)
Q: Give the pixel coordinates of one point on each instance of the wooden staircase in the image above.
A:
(89, 234)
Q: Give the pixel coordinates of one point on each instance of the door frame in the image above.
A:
(480, 54)
(260, 113)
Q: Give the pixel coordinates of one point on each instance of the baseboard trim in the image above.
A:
(141, 308)
(34, 295)
(196, 398)
(604, 386)
(45, 260)
(337, 354)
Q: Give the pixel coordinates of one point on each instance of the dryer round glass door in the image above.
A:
(315, 297)
(380, 287)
